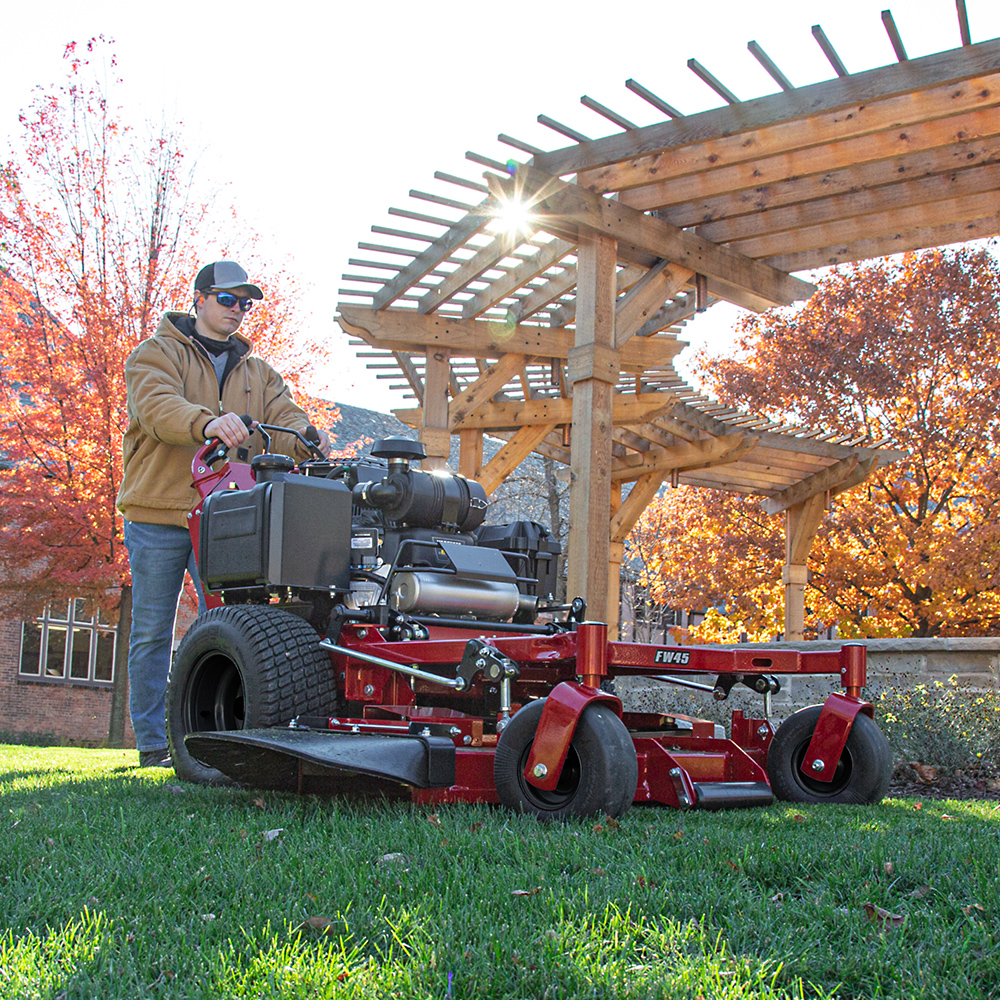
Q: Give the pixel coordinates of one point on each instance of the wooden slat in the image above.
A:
(707, 78)
(680, 456)
(803, 102)
(772, 70)
(517, 278)
(442, 248)
(828, 50)
(819, 482)
(647, 95)
(893, 32)
(498, 248)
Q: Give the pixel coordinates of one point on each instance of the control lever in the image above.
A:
(219, 450)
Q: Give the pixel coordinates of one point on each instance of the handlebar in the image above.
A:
(214, 450)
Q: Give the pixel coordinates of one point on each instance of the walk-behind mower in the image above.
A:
(368, 634)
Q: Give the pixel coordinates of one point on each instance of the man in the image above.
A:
(189, 382)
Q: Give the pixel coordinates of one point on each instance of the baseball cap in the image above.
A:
(225, 274)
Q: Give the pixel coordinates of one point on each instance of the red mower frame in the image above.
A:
(442, 709)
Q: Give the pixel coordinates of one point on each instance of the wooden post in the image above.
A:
(802, 521)
(434, 433)
(593, 371)
(470, 454)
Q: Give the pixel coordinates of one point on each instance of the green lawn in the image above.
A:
(121, 883)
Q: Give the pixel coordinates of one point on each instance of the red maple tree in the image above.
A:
(901, 349)
(99, 236)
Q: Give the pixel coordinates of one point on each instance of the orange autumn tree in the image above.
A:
(905, 350)
(98, 238)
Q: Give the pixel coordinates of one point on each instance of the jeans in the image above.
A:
(158, 555)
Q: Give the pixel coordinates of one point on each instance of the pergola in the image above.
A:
(559, 336)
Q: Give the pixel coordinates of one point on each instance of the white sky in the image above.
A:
(315, 120)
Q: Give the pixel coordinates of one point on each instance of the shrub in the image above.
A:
(942, 723)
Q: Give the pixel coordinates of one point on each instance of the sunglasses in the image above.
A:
(227, 300)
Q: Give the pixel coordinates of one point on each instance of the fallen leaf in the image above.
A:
(611, 823)
(947, 816)
(798, 818)
(883, 920)
(596, 871)
(322, 924)
(259, 803)
(598, 828)
(679, 835)
(434, 819)
(920, 892)
(474, 827)
(918, 806)
(926, 774)
(640, 880)
(971, 909)
(888, 868)
(526, 892)
(311, 897)
(270, 835)
(734, 867)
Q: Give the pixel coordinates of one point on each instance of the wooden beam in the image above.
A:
(627, 409)
(859, 91)
(645, 297)
(512, 454)
(406, 330)
(696, 454)
(590, 485)
(874, 225)
(899, 242)
(470, 454)
(858, 204)
(570, 204)
(623, 520)
(819, 482)
(801, 524)
(818, 158)
(410, 373)
(434, 415)
(486, 386)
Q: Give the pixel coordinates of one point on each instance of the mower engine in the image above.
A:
(373, 533)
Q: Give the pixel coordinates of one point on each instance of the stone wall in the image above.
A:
(892, 663)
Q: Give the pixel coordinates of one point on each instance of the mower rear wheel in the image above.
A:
(599, 777)
(862, 774)
(242, 667)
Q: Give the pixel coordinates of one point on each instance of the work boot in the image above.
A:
(155, 758)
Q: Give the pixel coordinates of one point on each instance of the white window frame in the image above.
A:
(77, 625)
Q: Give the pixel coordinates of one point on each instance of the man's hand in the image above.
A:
(229, 429)
(321, 440)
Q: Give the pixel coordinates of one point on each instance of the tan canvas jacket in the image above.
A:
(173, 392)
